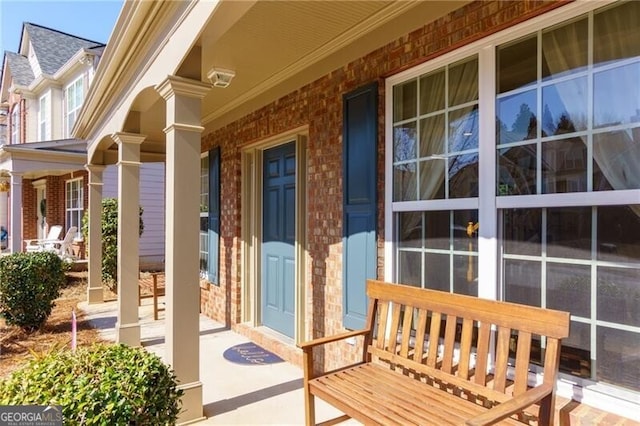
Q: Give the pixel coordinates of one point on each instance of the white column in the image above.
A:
(128, 325)
(15, 231)
(94, 243)
(183, 133)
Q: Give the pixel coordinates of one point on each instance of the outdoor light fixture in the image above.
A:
(220, 77)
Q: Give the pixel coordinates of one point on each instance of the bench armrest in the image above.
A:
(308, 346)
(512, 406)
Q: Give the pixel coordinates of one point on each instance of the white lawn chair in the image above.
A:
(63, 248)
(44, 244)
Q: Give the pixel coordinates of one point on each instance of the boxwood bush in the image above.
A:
(29, 284)
(98, 385)
(109, 240)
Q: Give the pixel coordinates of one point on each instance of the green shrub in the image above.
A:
(109, 240)
(29, 283)
(98, 385)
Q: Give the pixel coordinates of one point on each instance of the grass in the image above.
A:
(16, 346)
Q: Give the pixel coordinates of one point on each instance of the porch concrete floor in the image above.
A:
(233, 394)
(236, 394)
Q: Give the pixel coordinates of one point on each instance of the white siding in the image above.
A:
(152, 200)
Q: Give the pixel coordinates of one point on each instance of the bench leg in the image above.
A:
(309, 408)
(155, 297)
(309, 399)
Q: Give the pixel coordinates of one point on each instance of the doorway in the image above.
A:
(278, 238)
(274, 234)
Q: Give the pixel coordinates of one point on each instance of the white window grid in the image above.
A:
(74, 97)
(74, 204)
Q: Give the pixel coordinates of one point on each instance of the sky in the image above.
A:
(88, 19)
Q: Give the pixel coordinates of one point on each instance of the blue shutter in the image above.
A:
(214, 215)
(359, 156)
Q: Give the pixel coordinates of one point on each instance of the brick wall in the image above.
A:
(55, 189)
(319, 106)
(29, 210)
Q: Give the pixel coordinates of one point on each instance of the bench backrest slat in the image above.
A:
(449, 343)
(420, 333)
(395, 322)
(522, 358)
(432, 356)
(502, 359)
(482, 353)
(382, 323)
(444, 335)
(406, 337)
(465, 348)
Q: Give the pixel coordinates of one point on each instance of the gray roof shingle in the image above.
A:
(21, 71)
(54, 48)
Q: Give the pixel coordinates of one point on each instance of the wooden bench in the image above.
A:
(427, 360)
(156, 292)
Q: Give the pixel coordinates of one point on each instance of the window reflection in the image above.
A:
(404, 182)
(565, 107)
(432, 179)
(522, 231)
(618, 295)
(443, 240)
(569, 232)
(616, 156)
(463, 176)
(516, 118)
(618, 354)
(569, 288)
(463, 129)
(517, 64)
(432, 135)
(432, 92)
(517, 170)
(405, 101)
(612, 104)
(564, 166)
(463, 82)
(565, 49)
(522, 282)
(619, 233)
(404, 142)
(410, 229)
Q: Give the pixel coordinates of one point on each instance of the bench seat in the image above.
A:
(373, 394)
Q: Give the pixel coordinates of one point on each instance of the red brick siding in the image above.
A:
(29, 210)
(56, 193)
(319, 106)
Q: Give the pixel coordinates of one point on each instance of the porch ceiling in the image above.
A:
(278, 46)
(274, 48)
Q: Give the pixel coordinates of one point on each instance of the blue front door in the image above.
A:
(278, 238)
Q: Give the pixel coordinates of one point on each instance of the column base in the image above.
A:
(191, 403)
(129, 334)
(95, 295)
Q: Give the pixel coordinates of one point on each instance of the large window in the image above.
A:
(435, 157)
(540, 203)
(74, 95)
(74, 204)
(44, 122)
(15, 124)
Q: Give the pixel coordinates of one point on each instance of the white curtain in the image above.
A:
(616, 153)
(430, 173)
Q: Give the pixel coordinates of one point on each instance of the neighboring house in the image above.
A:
(488, 148)
(43, 181)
